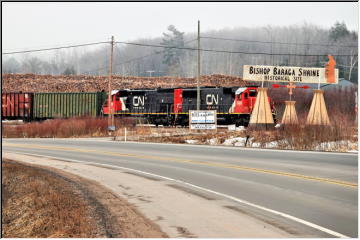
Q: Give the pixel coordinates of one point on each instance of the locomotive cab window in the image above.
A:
(252, 93)
(245, 95)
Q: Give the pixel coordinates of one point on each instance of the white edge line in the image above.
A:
(191, 145)
(304, 222)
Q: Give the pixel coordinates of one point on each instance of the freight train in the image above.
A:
(161, 106)
(40, 106)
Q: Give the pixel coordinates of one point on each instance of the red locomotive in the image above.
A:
(170, 106)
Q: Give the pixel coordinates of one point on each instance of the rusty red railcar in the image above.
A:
(16, 106)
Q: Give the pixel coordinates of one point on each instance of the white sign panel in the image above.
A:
(232, 127)
(203, 126)
(287, 74)
(202, 119)
(202, 116)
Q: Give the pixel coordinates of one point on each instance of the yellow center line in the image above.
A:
(213, 164)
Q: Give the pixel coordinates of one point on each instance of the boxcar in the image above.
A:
(64, 105)
(16, 106)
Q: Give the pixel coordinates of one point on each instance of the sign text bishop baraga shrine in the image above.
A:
(287, 74)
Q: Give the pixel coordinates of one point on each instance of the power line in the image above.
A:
(135, 59)
(187, 48)
(128, 61)
(51, 45)
(54, 48)
(284, 43)
(183, 48)
(226, 51)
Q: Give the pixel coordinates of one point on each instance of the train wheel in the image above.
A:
(239, 122)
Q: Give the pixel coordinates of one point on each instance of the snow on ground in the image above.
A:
(272, 144)
(212, 141)
(238, 141)
(339, 146)
(344, 145)
(240, 128)
(264, 145)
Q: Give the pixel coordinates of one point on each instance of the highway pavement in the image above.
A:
(310, 191)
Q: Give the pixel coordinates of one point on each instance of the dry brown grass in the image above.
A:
(341, 112)
(72, 127)
(307, 137)
(37, 203)
(181, 135)
(64, 128)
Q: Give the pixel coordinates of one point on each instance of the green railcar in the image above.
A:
(65, 105)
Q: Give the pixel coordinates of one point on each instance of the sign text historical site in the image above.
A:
(288, 74)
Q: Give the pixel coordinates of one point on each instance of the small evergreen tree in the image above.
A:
(338, 31)
(172, 56)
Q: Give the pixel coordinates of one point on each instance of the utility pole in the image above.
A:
(150, 72)
(111, 125)
(198, 72)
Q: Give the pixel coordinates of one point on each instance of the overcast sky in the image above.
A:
(38, 25)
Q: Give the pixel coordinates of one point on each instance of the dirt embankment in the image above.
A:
(43, 202)
(85, 83)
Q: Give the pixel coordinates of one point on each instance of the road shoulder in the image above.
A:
(109, 214)
(179, 211)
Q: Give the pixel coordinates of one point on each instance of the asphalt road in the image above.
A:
(317, 188)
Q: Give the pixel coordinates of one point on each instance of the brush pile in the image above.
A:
(85, 83)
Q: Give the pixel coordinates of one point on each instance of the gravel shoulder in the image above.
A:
(178, 211)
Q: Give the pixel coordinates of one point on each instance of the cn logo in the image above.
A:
(138, 100)
(212, 99)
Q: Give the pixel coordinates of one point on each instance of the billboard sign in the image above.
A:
(202, 119)
(202, 116)
(290, 74)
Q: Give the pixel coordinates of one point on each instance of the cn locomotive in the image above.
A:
(170, 106)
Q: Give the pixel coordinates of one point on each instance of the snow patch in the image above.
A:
(344, 145)
(190, 141)
(212, 141)
(238, 141)
(240, 128)
(272, 144)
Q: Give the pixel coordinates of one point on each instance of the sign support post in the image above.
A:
(261, 116)
(290, 116)
(318, 114)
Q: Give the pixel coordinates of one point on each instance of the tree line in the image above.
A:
(292, 43)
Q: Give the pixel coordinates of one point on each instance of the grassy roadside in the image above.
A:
(39, 204)
(340, 136)
(44, 202)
